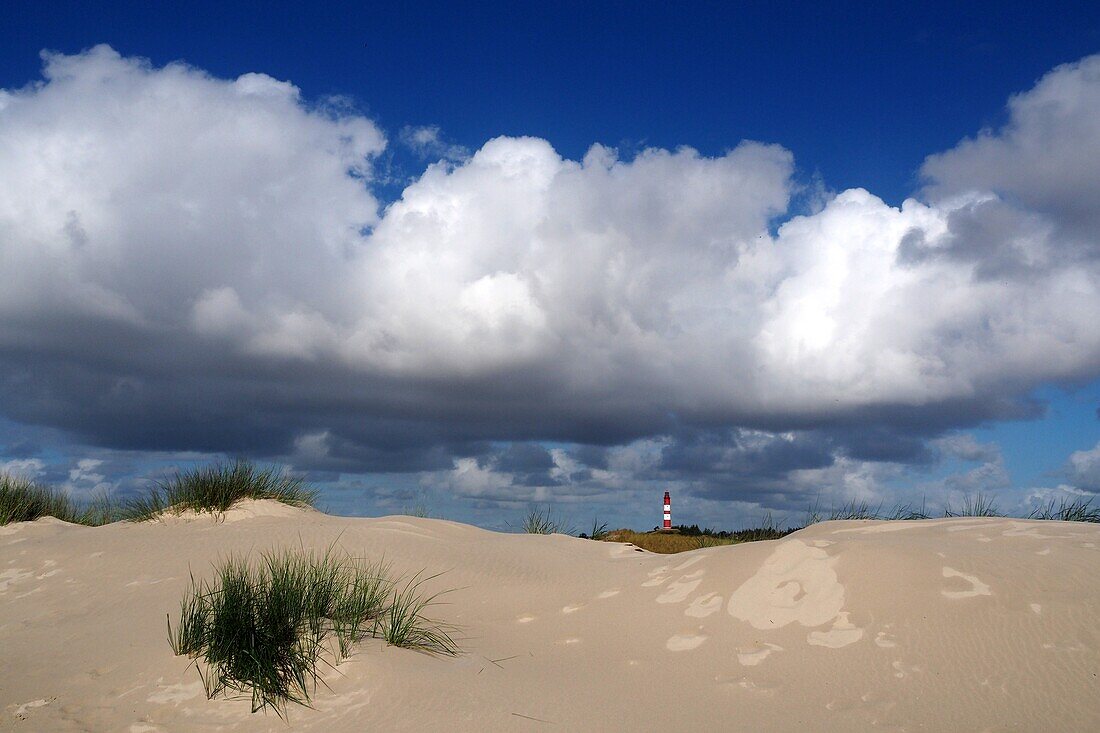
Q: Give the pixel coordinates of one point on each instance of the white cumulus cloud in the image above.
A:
(184, 250)
(1084, 468)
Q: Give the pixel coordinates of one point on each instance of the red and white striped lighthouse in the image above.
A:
(668, 512)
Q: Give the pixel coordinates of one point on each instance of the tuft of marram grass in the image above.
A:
(1068, 510)
(598, 532)
(538, 521)
(864, 510)
(977, 505)
(402, 623)
(908, 512)
(216, 489)
(101, 509)
(420, 510)
(263, 630)
(23, 500)
(856, 510)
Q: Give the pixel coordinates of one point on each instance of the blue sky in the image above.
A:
(562, 335)
(860, 92)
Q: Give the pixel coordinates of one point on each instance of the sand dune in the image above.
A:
(954, 624)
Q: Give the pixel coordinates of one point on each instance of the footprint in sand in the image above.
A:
(681, 588)
(12, 576)
(684, 642)
(1023, 529)
(977, 587)
(901, 671)
(757, 686)
(21, 711)
(688, 563)
(882, 639)
(704, 605)
(146, 580)
(842, 634)
(797, 583)
(756, 656)
(657, 576)
(176, 693)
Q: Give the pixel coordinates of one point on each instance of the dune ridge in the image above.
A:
(977, 624)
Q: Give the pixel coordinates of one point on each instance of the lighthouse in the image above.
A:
(668, 512)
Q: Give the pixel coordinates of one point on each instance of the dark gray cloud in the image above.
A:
(242, 294)
(20, 448)
(998, 241)
(736, 454)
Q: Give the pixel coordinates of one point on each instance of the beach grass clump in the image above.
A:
(24, 500)
(908, 512)
(264, 630)
(598, 531)
(538, 521)
(864, 510)
(420, 511)
(856, 510)
(974, 505)
(402, 623)
(216, 489)
(1079, 509)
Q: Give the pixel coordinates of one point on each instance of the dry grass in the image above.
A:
(666, 543)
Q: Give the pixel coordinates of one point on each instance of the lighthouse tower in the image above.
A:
(668, 512)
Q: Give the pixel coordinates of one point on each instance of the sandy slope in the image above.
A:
(960, 624)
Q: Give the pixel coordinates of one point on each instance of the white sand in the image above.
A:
(934, 625)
